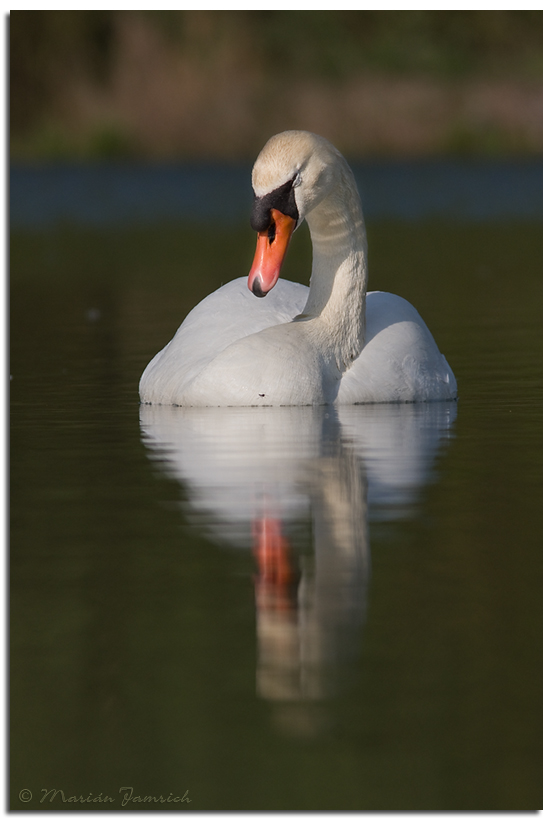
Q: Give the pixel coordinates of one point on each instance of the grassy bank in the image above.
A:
(97, 84)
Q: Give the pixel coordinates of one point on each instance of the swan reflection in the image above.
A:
(254, 477)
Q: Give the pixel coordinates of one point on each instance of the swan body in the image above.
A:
(330, 343)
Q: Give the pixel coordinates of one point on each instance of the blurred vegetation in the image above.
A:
(441, 43)
(102, 83)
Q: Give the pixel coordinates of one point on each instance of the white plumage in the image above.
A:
(330, 343)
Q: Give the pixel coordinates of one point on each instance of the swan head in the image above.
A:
(294, 172)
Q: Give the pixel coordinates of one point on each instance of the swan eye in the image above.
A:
(271, 232)
(296, 180)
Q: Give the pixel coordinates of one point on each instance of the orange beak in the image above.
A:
(272, 245)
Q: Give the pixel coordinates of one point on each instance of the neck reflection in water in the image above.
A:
(254, 476)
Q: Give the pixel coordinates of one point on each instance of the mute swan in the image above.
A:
(329, 343)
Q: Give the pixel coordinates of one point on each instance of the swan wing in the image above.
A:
(222, 318)
(400, 360)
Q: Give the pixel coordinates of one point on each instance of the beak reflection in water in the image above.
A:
(260, 478)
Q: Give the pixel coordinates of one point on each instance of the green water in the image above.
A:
(134, 649)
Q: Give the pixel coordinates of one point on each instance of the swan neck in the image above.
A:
(338, 286)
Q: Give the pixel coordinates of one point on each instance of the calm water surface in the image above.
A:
(291, 608)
